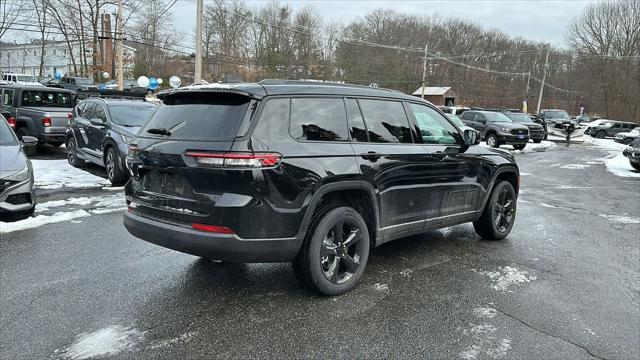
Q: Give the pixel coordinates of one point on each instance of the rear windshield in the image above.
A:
(131, 114)
(557, 114)
(46, 98)
(199, 117)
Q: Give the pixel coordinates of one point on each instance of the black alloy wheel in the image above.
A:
(335, 251)
(72, 153)
(499, 214)
(492, 141)
(115, 175)
(341, 251)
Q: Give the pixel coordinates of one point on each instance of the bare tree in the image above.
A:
(9, 12)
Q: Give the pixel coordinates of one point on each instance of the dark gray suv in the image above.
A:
(611, 128)
(497, 129)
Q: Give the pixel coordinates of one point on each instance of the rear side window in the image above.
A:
(318, 119)
(386, 121)
(467, 115)
(200, 117)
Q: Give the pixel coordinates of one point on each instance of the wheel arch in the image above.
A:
(24, 121)
(357, 194)
(507, 172)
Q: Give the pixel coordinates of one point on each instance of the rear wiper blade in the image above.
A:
(161, 131)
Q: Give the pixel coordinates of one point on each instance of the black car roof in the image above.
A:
(292, 87)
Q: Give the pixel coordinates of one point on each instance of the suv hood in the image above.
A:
(533, 126)
(12, 159)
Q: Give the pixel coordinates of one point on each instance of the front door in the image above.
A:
(96, 133)
(453, 177)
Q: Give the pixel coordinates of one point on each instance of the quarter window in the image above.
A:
(317, 119)
(386, 121)
(434, 128)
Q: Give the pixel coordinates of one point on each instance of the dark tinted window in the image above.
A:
(318, 119)
(131, 114)
(386, 121)
(273, 123)
(204, 117)
(356, 123)
(43, 98)
(467, 115)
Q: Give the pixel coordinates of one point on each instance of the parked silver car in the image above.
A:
(17, 197)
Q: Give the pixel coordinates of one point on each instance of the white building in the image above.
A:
(25, 58)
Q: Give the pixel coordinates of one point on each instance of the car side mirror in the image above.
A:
(96, 122)
(471, 137)
(29, 140)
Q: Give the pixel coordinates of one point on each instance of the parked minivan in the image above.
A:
(313, 173)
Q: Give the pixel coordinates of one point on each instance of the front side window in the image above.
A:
(386, 121)
(434, 128)
(318, 119)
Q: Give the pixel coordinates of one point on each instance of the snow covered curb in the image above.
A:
(616, 163)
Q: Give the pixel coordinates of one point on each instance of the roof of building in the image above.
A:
(432, 90)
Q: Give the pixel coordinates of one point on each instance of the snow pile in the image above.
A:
(55, 174)
(616, 163)
(531, 147)
(486, 342)
(37, 221)
(105, 342)
(40, 207)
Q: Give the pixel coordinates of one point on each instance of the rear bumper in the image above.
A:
(223, 247)
(52, 138)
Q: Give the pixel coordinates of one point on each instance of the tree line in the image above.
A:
(599, 70)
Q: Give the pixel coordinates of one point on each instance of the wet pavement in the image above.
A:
(564, 285)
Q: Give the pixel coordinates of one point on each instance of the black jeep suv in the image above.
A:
(100, 130)
(316, 174)
(497, 129)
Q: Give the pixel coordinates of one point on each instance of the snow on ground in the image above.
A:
(37, 221)
(102, 343)
(531, 147)
(616, 163)
(55, 174)
(506, 277)
(622, 219)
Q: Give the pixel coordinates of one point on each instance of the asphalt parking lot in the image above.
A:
(564, 285)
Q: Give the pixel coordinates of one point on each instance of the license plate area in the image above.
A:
(520, 136)
(167, 183)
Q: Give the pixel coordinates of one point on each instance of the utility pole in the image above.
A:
(424, 68)
(544, 77)
(525, 103)
(197, 74)
(119, 48)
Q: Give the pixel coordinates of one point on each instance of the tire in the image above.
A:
(635, 165)
(111, 164)
(537, 141)
(601, 134)
(519, 146)
(344, 263)
(72, 153)
(492, 141)
(503, 194)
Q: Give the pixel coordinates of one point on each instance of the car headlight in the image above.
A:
(127, 139)
(504, 129)
(20, 176)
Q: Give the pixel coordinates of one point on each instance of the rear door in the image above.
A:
(95, 132)
(390, 159)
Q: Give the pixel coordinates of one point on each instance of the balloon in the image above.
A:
(175, 81)
(105, 75)
(57, 76)
(153, 83)
(143, 81)
(160, 81)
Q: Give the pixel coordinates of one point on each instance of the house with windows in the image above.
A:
(56, 57)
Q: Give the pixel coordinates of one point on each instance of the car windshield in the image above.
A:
(496, 117)
(556, 114)
(132, 114)
(456, 120)
(83, 81)
(27, 78)
(48, 98)
(7, 138)
(519, 118)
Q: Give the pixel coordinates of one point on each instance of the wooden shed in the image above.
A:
(441, 96)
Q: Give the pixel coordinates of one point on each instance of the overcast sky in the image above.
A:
(543, 20)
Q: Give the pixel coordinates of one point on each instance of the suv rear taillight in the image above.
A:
(46, 121)
(12, 121)
(236, 159)
(212, 228)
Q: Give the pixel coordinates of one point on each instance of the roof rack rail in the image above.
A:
(318, 83)
(110, 94)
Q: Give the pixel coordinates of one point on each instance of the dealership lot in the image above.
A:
(565, 284)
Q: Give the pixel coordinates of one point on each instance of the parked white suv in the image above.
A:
(21, 79)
